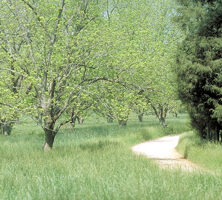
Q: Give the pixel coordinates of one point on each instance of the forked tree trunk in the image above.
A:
(161, 114)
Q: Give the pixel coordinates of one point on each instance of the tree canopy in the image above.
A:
(66, 57)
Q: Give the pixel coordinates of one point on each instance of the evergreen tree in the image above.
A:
(199, 66)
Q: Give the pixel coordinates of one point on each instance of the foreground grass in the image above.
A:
(95, 162)
(206, 154)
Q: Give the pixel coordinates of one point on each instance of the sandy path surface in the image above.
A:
(163, 152)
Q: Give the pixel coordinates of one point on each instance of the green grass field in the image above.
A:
(205, 153)
(95, 161)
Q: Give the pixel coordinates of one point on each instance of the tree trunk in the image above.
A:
(49, 140)
(161, 114)
(217, 134)
(109, 119)
(220, 133)
(162, 121)
(6, 128)
(72, 125)
(122, 122)
(50, 134)
(80, 120)
(73, 122)
(208, 133)
(140, 117)
(175, 114)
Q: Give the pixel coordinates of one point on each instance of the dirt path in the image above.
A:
(163, 152)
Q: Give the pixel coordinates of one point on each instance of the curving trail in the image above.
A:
(163, 152)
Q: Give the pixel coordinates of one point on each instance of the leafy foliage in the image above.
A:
(76, 56)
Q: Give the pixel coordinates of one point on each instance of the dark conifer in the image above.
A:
(199, 65)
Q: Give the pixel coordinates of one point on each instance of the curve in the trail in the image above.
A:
(163, 152)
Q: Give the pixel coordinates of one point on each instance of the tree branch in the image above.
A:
(35, 12)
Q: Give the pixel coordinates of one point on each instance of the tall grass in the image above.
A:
(95, 162)
(205, 153)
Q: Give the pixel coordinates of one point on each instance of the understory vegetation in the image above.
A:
(95, 161)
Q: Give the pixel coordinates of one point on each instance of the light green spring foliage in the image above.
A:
(67, 48)
(142, 43)
(58, 55)
(8, 103)
(11, 97)
(11, 87)
(115, 102)
(152, 42)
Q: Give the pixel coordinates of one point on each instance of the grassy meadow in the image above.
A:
(95, 161)
(205, 153)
